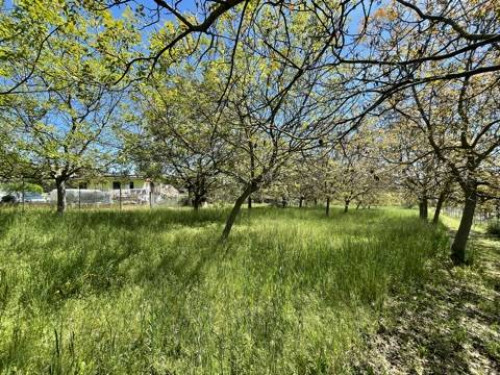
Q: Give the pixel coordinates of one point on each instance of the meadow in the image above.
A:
(139, 292)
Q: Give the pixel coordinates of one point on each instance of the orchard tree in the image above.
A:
(461, 123)
(178, 136)
(272, 115)
(419, 173)
(322, 171)
(359, 169)
(25, 31)
(63, 121)
(268, 109)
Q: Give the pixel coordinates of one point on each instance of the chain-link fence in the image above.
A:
(484, 213)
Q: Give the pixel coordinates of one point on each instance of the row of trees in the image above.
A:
(323, 99)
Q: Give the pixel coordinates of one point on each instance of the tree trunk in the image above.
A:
(346, 207)
(441, 200)
(236, 209)
(301, 199)
(61, 195)
(250, 201)
(458, 249)
(439, 206)
(328, 206)
(196, 204)
(423, 206)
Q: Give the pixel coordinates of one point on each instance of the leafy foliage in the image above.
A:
(19, 187)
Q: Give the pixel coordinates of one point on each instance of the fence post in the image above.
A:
(151, 188)
(23, 193)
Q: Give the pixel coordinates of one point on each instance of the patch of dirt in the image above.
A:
(449, 326)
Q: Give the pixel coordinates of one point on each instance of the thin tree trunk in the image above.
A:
(423, 208)
(61, 195)
(196, 204)
(458, 249)
(346, 207)
(439, 206)
(441, 200)
(328, 206)
(198, 200)
(301, 199)
(249, 201)
(236, 209)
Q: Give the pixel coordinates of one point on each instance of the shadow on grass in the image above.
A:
(450, 325)
(100, 262)
(156, 220)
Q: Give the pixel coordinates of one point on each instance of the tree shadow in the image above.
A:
(448, 326)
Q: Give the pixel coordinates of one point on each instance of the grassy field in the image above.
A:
(292, 292)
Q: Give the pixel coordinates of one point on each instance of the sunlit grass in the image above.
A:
(156, 292)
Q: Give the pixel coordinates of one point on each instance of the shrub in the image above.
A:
(18, 187)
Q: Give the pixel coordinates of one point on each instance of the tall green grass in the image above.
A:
(292, 292)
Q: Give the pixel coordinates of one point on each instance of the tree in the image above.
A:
(461, 123)
(321, 173)
(271, 116)
(420, 173)
(358, 172)
(268, 110)
(63, 120)
(178, 137)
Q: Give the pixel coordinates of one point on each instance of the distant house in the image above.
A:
(118, 188)
(118, 182)
(111, 182)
